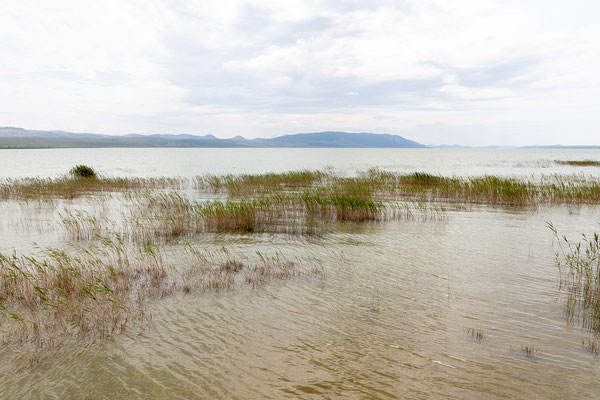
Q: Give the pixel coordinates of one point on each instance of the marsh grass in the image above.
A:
(371, 185)
(309, 202)
(579, 163)
(246, 184)
(579, 277)
(55, 293)
(375, 184)
(69, 187)
(101, 289)
(81, 225)
(484, 189)
(172, 216)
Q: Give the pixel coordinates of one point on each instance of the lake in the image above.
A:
(196, 161)
(391, 317)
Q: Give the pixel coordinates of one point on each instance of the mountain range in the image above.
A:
(19, 138)
(11, 137)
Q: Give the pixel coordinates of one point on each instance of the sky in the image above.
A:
(463, 72)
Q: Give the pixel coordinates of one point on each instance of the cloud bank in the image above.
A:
(473, 73)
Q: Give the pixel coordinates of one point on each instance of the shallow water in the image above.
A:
(388, 319)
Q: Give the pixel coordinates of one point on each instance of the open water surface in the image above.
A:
(189, 162)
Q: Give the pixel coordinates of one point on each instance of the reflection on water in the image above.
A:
(389, 320)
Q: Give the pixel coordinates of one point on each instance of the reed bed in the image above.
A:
(69, 187)
(166, 216)
(579, 163)
(579, 271)
(246, 184)
(375, 184)
(484, 189)
(372, 185)
(309, 202)
(101, 289)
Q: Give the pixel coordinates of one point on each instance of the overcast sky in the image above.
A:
(436, 71)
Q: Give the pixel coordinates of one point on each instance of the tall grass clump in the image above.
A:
(245, 184)
(82, 171)
(163, 217)
(501, 190)
(579, 270)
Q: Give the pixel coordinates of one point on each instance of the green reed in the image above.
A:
(167, 216)
(69, 187)
(375, 184)
(579, 163)
(371, 185)
(579, 269)
(244, 184)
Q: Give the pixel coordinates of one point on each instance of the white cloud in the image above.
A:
(429, 69)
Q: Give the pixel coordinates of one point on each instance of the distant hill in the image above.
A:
(11, 137)
(13, 132)
(171, 137)
(339, 139)
(119, 141)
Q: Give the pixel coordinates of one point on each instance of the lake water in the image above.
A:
(389, 319)
(193, 161)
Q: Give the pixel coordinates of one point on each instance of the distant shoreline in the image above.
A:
(3, 146)
(19, 138)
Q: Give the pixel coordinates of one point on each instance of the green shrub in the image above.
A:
(82, 171)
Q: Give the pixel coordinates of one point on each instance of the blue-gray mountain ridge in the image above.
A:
(24, 138)
(11, 137)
